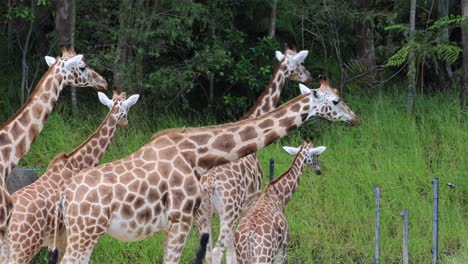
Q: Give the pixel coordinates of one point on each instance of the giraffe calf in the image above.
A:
(262, 234)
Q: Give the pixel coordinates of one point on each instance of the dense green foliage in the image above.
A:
(214, 57)
(331, 217)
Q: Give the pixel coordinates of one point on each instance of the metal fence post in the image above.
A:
(272, 169)
(435, 221)
(377, 224)
(404, 215)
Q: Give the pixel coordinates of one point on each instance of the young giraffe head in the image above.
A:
(74, 70)
(293, 60)
(120, 102)
(311, 155)
(327, 103)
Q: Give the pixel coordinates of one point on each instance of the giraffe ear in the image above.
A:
(304, 89)
(318, 150)
(279, 55)
(131, 101)
(50, 60)
(291, 150)
(301, 56)
(73, 62)
(105, 100)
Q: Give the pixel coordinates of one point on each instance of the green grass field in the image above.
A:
(331, 217)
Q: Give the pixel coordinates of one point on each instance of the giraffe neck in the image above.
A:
(86, 155)
(269, 99)
(90, 152)
(19, 132)
(206, 147)
(285, 185)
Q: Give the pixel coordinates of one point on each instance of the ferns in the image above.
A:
(448, 53)
(427, 46)
(446, 21)
(399, 57)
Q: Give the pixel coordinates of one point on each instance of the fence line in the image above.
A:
(272, 169)
(435, 219)
(377, 225)
(404, 215)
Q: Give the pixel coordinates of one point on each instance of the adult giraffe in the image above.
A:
(229, 187)
(19, 132)
(157, 187)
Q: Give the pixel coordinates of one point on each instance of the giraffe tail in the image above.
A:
(202, 250)
(53, 251)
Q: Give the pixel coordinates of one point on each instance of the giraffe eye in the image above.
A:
(336, 102)
(82, 68)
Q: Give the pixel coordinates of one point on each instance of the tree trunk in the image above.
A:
(65, 28)
(24, 58)
(123, 51)
(410, 92)
(272, 22)
(464, 86)
(365, 39)
(10, 35)
(443, 11)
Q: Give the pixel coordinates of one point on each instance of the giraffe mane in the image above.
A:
(61, 156)
(31, 97)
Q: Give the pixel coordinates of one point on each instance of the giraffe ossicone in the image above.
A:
(19, 132)
(33, 216)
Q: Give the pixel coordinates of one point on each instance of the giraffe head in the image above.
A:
(327, 103)
(292, 61)
(74, 70)
(310, 155)
(121, 105)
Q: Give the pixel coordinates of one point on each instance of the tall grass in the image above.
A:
(331, 217)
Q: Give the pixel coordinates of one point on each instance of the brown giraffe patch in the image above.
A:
(287, 121)
(4, 139)
(24, 119)
(248, 133)
(250, 148)
(271, 137)
(200, 139)
(225, 143)
(21, 147)
(266, 123)
(295, 108)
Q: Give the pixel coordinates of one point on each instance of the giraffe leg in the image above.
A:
(226, 238)
(282, 256)
(4, 250)
(175, 241)
(82, 233)
(203, 223)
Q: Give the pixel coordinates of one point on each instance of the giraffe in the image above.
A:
(19, 132)
(157, 187)
(32, 221)
(262, 234)
(232, 185)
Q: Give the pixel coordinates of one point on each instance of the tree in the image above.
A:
(411, 89)
(464, 86)
(364, 30)
(65, 29)
(272, 21)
